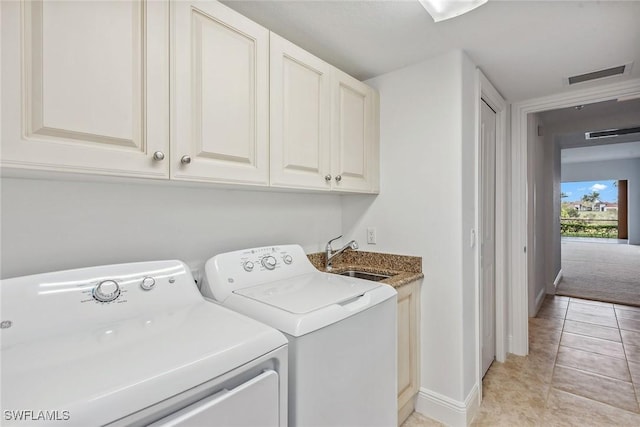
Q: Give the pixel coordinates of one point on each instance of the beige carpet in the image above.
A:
(601, 271)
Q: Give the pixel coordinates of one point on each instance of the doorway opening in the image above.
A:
(590, 209)
(535, 180)
(593, 217)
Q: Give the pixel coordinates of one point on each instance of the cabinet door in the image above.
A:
(220, 96)
(353, 150)
(408, 350)
(85, 86)
(300, 117)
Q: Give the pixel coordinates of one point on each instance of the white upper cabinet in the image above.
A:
(85, 86)
(185, 90)
(354, 147)
(300, 117)
(220, 95)
(323, 124)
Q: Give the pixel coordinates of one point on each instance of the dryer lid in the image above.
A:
(308, 292)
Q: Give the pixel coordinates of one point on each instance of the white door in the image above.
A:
(352, 149)
(300, 117)
(85, 86)
(220, 96)
(487, 230)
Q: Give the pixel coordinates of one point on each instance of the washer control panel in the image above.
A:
(266, 259)
(229, 271)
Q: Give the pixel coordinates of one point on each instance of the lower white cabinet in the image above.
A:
(408, 348)
(85, 86)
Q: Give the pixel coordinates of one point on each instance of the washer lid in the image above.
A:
(308, 292)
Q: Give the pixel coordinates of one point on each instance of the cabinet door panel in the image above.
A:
(353, 132)
(300, 117)
(221, 94)
(408, 348)
(87, 89)
(353, 140)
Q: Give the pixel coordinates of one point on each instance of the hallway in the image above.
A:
(583, 369)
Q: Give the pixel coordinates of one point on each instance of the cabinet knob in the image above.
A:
(185, 160)
(327, 177)
(338, 178)
(158, 155)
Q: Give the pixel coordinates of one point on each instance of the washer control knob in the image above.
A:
(148, 283)
(248, 266)
(288, 259)
(106, 291)
(269, 262)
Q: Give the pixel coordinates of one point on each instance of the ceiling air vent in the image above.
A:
(611, 132)
(613, 71)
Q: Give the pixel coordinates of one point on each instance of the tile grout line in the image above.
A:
(555, 359)
(624, 350)
(598, 374)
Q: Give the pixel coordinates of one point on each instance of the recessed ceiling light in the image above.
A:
(579, 107)
(445, 9)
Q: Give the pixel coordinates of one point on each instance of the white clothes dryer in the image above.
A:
(132, 345)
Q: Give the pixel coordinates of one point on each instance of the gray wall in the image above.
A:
(50, 225)
(539, 170)
(426, 208)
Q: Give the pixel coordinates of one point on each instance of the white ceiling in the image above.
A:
(621, 113)
(568, 125)
(526, 48)
(601, 152)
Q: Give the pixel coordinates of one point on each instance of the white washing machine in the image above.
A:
(341, 331)
(134, 344)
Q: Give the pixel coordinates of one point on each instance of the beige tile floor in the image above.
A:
(583, 369)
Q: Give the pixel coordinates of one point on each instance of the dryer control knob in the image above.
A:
(288, 259)
(148, 283)
(269, 262)
(106, 291)
(248, 266)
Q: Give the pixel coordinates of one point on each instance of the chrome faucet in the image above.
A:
(331, 254)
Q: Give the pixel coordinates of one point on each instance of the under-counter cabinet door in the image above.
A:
(85, 86)
(220, 95)
(408, 349)
(300, 117)
(354, 152)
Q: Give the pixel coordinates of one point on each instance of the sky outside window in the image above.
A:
(575, 190)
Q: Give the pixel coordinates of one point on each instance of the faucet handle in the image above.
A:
(333, 240)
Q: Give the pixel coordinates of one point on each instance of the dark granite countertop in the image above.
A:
(402, 269)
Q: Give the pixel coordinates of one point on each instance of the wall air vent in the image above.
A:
(600, 74)
(611, 132)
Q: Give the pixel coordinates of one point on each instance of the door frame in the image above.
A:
(487, 92)
(518, 304)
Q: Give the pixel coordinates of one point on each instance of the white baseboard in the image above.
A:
(556, 282)
(448, 411)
